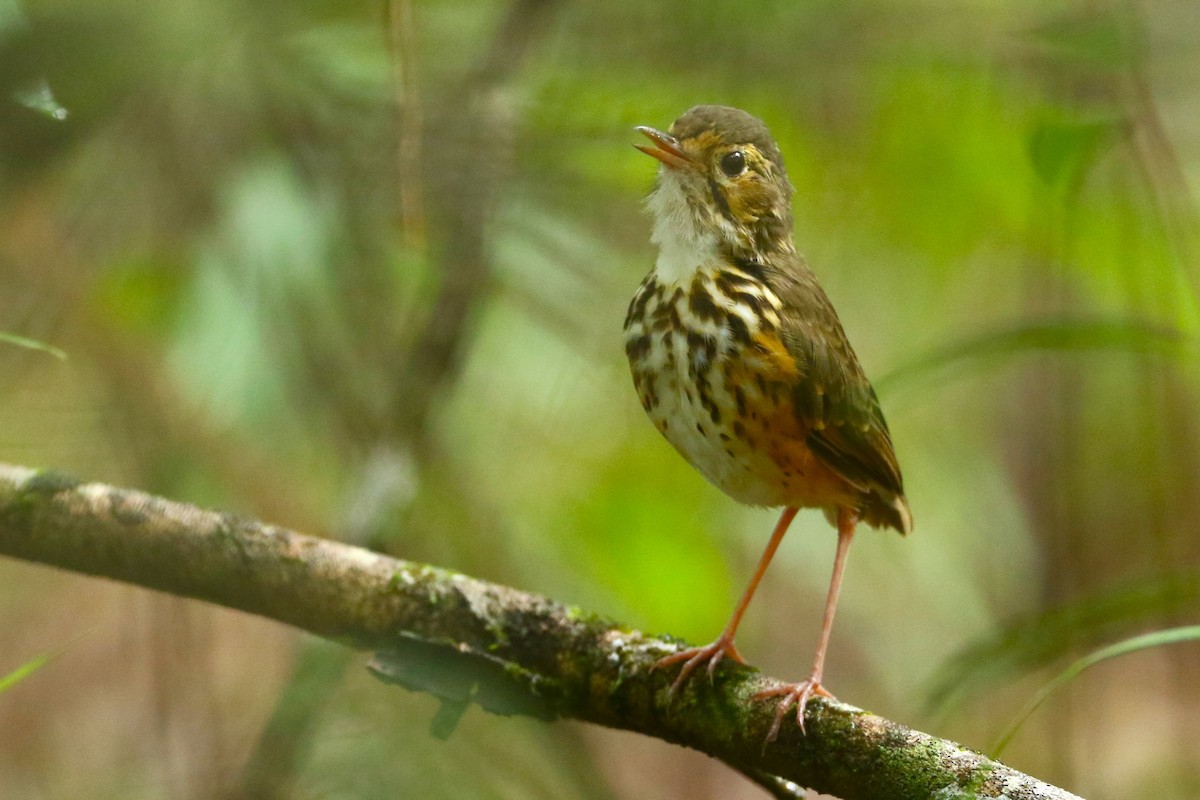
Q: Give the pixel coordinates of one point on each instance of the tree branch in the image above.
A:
(469, 641)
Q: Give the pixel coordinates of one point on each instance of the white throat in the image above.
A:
(683, 246)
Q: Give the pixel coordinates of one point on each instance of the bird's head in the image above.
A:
(722, 185)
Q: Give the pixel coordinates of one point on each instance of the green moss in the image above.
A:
(48, 482)
(584, 617)
(923, 764)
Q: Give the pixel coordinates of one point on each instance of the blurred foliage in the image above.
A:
(1048, 636)
(360, 269)
(1184, 635)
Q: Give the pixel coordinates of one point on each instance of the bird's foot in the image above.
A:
(797, 694)
(693, 657)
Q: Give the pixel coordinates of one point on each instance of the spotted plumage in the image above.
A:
(739, 358)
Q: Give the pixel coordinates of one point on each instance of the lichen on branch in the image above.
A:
(470, 641)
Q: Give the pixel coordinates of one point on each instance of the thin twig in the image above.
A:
(402, 47)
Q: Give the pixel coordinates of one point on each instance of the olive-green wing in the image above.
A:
(834, 400)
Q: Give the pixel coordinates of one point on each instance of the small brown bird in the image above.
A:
(741, 362)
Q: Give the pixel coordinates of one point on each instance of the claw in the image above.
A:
(693, 657)
(797, 694)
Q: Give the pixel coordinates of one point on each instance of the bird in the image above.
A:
(739, 359)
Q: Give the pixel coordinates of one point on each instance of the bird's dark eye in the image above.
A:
(733, 163)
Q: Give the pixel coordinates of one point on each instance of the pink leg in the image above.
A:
(799, 693)
(723, 646)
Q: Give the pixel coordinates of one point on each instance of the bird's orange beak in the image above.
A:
(666, 149)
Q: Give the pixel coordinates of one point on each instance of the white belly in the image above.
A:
(695, 391)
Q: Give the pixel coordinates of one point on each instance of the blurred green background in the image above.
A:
(360, 269)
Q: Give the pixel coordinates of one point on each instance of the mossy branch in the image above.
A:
(469, 641)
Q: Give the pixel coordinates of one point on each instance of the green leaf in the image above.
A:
(33, 344)
(1187, 633)
(41, 99)
(1100, 334)
(1063, 152)
(459, 676)
(24, 671)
